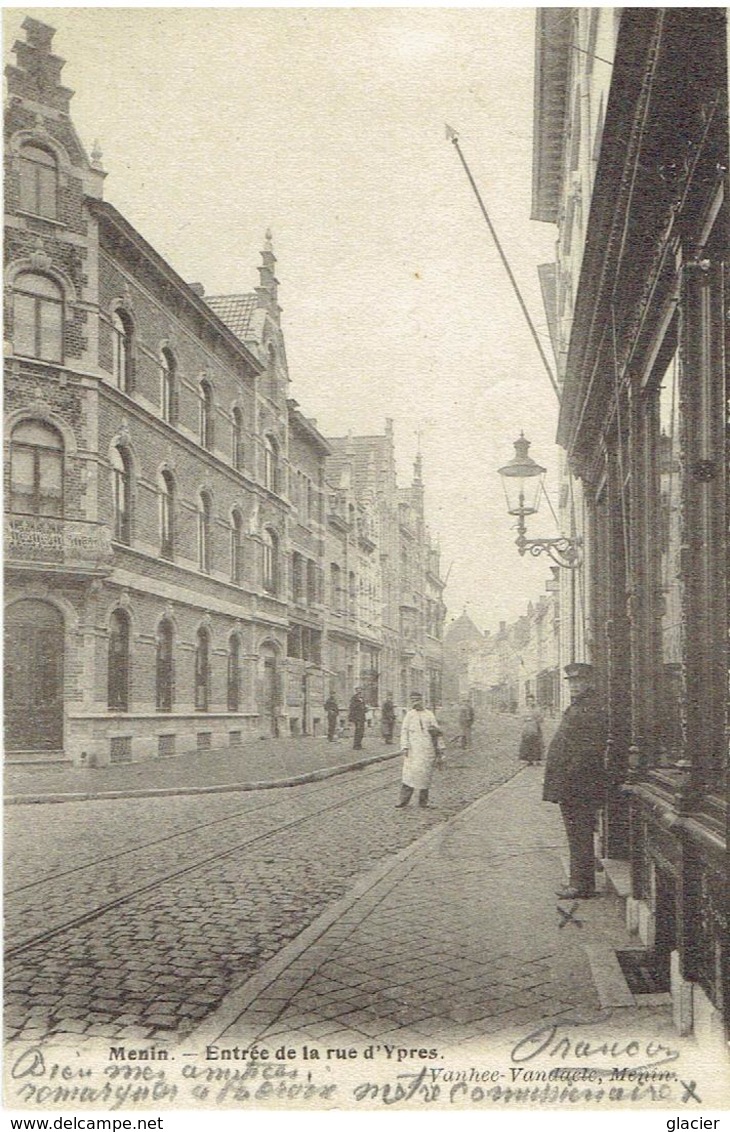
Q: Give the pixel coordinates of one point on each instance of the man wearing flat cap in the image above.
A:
(575, 777)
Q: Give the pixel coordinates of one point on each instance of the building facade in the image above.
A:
(167, 511)
(632, 165)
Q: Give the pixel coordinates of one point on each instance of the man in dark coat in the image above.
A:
(387, 718)
(357, 715)
(575, 777)
(333, 712)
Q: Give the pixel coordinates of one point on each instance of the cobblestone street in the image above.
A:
(133, 918)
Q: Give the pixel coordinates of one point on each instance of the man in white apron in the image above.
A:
(421, 746)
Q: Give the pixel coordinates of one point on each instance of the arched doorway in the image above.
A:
(34, 653)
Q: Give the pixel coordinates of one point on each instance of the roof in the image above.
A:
(369, 456)
(107, 214)
(461, 630)
(238, 312)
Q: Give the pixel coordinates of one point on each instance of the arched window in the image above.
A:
(167, 515)
(205, 513)
(237, 452)
(118, 665)
(38, 181)
(122, 494)
(202, 671)
(297, 578)
(122, 350)
(168, 389)
(271, 564)
(165, 682)
(36, 469)
(205, 394)
(237, 547)
(271, 464)
(234, 673)
(38, 317)
(352, 591)
(271, 372)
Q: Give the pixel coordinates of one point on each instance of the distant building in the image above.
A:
(461, 640)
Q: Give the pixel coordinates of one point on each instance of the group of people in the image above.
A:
(575, 777)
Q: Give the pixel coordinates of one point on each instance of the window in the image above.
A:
(38, 182)
(271, 372)
(237, 548)
(118, 664)
(202, 671)
(168, 391)
(297, 578)
(234, 673)
(270, 565)
(122, 494)
(271, 464)
(237, 440)
(165, 684)
(167, 515)
(206, 415)
(336, 587)
(205, 510)
(312, 583)
(122, 350)
(38, 318)
(36, 469)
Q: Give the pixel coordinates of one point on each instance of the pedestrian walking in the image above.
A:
(356, 715)
(575, 776)
(466, 722)
(387, 718)
(333, 714)
(532, 743)
(422, 747)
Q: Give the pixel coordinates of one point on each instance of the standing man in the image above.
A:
(333, 712)
(387, 718)
(575, 777)
(357, 715)
(421, 745)
(466, 721)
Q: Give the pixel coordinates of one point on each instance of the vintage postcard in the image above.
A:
(366, 542)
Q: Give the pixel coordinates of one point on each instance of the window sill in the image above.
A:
(37, 216)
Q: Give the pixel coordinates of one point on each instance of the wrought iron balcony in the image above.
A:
(33, 541)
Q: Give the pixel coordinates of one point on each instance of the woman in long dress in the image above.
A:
(422, 746)
(532, 743)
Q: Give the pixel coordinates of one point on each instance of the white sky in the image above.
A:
(328, 125)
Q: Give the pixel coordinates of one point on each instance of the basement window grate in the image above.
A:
(646, 972)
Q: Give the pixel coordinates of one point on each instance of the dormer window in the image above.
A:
(38, 182)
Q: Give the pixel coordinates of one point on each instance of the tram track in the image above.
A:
(34, 940)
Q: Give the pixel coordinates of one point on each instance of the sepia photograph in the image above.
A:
(366, 541)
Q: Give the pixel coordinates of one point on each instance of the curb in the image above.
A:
(238, 1000)
(172, 791)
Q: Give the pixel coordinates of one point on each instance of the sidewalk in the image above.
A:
(254, 765)
(458, 945)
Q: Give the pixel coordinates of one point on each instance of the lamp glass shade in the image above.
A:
(522, 480)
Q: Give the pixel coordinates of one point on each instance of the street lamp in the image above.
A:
(522, 481)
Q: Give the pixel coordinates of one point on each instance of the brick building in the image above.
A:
(165, 496)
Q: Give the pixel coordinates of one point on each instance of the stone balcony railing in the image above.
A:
(42, 540)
